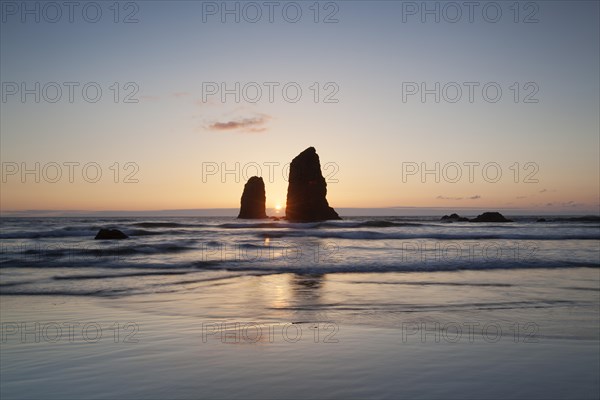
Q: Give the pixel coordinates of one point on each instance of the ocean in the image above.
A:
(376, 307)
(59, 255)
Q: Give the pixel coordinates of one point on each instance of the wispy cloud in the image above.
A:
(569, 204)
(252, 125)
(475, 197)
(448, 198)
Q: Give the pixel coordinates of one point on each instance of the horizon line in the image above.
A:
(344, 211)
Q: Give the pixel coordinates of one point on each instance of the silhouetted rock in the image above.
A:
(541, 220)
(454, 218)
(253, 199)
(490, 217)
(307, 190)
(110, 234)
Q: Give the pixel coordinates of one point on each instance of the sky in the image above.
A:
(156, 105)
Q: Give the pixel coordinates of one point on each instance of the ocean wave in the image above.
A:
(362, 229)
(121, 275)
(429, 283)
(166, 225)
(53, 233)
(377, 223)
(211, 279)
(413, 308)
(404, 266)
(145, 232)
(324, 224)
(68, 292)
(265, 225)
(107, 262)
(95, 249)
(91, 232)
(147, 249)
(373, 235)
(45, 288)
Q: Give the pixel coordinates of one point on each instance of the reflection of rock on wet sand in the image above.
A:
(306, 300)
(310, 281)
(291, 297)
(295, 314)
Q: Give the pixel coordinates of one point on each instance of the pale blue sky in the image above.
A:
(369, 53)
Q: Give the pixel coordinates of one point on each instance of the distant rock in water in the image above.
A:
(541, 220)
(490, 217)
(110, 234)
(454, 218)
(307, 190)
(253, 199)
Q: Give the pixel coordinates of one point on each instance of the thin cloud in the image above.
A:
(570, 204)
(257, 130)
(181, 94)
(566, 204)
(448, 198)
(475, 197)
(252, 125)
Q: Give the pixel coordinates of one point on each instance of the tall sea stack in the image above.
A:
(253, 199)
(307, 190)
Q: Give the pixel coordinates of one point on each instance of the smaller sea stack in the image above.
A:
(253, 199)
